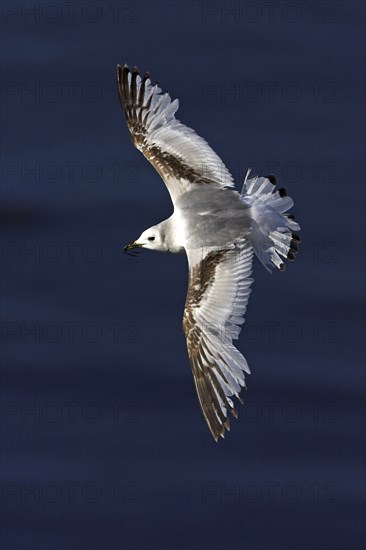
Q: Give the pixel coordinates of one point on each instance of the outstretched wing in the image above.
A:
(218, 292)
(181, 157)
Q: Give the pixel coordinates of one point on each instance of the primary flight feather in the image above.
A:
(218, 228)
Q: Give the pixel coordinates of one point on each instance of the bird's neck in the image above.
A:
(173, 230)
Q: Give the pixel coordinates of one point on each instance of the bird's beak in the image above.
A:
(132, 246)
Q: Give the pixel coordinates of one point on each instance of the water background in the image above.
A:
(103, 443)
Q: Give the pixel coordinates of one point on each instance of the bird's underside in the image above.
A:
(219, 228)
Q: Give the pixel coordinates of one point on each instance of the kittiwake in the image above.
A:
(218, 229)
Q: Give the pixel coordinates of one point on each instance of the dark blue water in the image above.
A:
(103, 443)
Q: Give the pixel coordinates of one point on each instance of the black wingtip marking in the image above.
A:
(120, 84)
(272, 179)
(294, 247)
(282, 267)
(282, 192)
(296, 238)
(119, 74)
(291, 216)
(291, 256)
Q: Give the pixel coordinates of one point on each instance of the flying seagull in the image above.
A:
(218, 228)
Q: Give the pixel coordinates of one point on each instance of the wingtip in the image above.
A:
(216, 434)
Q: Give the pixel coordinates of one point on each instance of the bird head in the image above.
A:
(152, 238)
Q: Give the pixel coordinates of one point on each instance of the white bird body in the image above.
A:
(177, 235)
(218, 228)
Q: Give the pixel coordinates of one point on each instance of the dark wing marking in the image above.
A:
(218, 292)
(180, 156)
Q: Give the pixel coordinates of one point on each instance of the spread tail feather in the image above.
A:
(272, 234)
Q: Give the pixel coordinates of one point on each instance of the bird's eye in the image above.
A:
(151, 239)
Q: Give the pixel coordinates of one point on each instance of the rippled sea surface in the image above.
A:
(103, 443)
